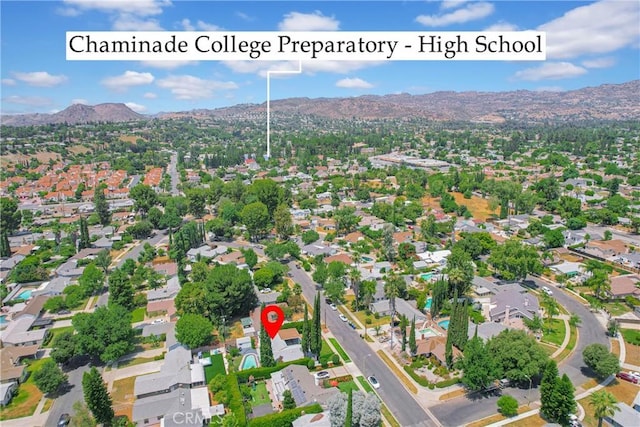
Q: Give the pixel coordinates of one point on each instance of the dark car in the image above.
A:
(627, 377)
(64, 420)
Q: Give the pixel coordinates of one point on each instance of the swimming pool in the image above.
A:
(427, 333)
(444, 324)
(426, 276)
(366, 259)
(249, 361)
(3, 319)
(427, 305)
(26, 294)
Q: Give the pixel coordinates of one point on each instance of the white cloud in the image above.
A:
(599, 62)
(550, 71)
(245, 17)
(150, 95)
(128, 22)
(188, 87)
(308, 67)
(549, 89)
(199, 25)
(296, 21)
(470, 12)
(597, 28)
(79, 101)
(502, 26)
(451, 4)
(33, 101)
(137, 7)
(124, 81)
(68, 11)
(136, 107)
(40, 79)
(353, 83)
(167, 65)
(9, 82)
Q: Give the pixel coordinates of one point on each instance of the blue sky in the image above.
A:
(588, 44)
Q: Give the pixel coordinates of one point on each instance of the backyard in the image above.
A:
(259, 394)
(26, 399)
(122, 396)
(54, 332)
(216, 367)
(622, 390)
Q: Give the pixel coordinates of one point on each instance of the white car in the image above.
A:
(322, 375)
(265, 290)
(333, 307)
(157, 321)
(547, 291)
(373, 381)
(343, 318)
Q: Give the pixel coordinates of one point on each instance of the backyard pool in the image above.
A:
(3, 319)
(249, 361)
(426, 276)
(427, 333)
(444, 324)
(25, 295)
(427, 305)
(366, 259)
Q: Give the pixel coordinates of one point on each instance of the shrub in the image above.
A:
(311, 364)
(631, 336)
(335, 359)
(284, 418)
(262, 372)
(447, 383)
(417, 378)
(508, 405)
(235, 399)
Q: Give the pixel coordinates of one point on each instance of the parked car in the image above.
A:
(64, 420)
(627, 377)
(547, 291)
(343, 318)
(333, 307)
(322, 375)
(158, 321)
(373, 381)
(265, 290)
(635, 374)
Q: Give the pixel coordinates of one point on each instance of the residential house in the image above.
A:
(287, 345)
(567, 268)
(316, 249)
(11, 367)
(436, 257)
(177, 391)
(53, 287)
(302, 386)
(383, 308)
(20, 330)
(511, 304)
(625, 285)
(7, 390)
(630, 260)
(436, 347)
(342, 257)
(247, 326)
(485, 330)
(168, 291)
(205, 251)
(606, 248)
(323, 419)
(625, 416)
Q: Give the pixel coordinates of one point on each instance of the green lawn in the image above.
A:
(362, 317)
(54, 333)
(365, 384)
(216, 367)
(260, 396)
(326, 350)
(137, 315)
(555, 334)
(347, 385)
(631, 336)
(616, 308)
(340, 350)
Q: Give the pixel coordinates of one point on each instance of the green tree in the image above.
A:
(306, 332)
(334, 289)
(49, 377)
(346, 219)
(517, 355)
(105, 333)
(229, 291)
(196, 201)
(310, 236)
(255, 217)
(321, 274)
(413, 347)
(5, 246)
(85, 240)
(101, 205)
(121, 290)
(604, 405)
(392, 290)
(388, 248)
(97, 396)
(10, 216)
(283, 221)
(478, 366)
(144, 198)
(598, 358)
(250, 257)
(287, 400)
(514, 260)
(534, 324)
(81, 416)
(551, 308)
(553, 238)
(103, 260)
(64, 347)
(316, 328)
(508, 405)
(193, 330)
(266, 353)
(91, 280)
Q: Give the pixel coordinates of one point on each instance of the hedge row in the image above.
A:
(417, 378)
(293, 325)
(284, 418)
(447, 383)
(235, 399)
(261, 373)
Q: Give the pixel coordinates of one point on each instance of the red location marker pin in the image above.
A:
(272, 318)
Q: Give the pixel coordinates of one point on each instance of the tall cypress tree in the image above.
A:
(413, 347)
(5, 246)
(306, 331)
(85, 240)
(316, 328)
(266, 352)
(101, 205)
(97, 396)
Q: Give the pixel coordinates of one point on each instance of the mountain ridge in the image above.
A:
(604, 102)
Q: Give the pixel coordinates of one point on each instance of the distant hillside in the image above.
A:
(76, 114)
(606, 102)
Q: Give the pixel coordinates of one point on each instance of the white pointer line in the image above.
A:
(298, 71)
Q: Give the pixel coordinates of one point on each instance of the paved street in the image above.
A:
(64, 403)
(403, 406)
(463, 410)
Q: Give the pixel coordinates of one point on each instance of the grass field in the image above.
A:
(347, 385)
(616, 308)
(137, 315)
(631, 336)
(623, 391)
(326, 350)
(260, 396)
(340, 350)
(365, 384)
(135, 361)
(555, 334)
(478, 206)
(216, 367)
(633, 354)
(362, 317)
(122, 396)
(26, 400)
(54, 333)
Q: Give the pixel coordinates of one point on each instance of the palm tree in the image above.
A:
(367, 291)
(550, 308)
(392, 291)
(604, 405)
